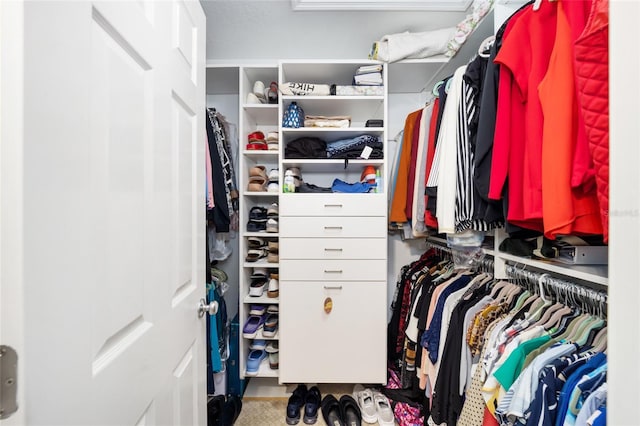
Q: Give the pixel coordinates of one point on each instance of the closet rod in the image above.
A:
(485, 264)
(562, 289)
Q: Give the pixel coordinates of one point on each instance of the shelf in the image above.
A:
(332, 98)
(597, 274)
(260, 194)
(359, 108)
(329, 165)
(330, 134)
(593, 273)
(262, 234)
(415, 75)
(262, 300)
(264, 370)
(260, 264)
(262, 114)
(338, 72)
(256, 153)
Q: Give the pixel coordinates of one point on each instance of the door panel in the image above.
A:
(113, 231)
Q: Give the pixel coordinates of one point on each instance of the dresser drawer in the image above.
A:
(333, 248)
(333, 227)
(345, 345)
(333, 205)
(333, 270)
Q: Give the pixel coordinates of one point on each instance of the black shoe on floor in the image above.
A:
(296, 401)
(350, 411)
(311, 405)
(331, 411)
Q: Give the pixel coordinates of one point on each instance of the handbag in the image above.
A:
(293, 116)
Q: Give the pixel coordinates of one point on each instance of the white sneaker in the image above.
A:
(383, 409)
(258, 91)
(364, 398)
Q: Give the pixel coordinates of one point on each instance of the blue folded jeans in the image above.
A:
(358, 187)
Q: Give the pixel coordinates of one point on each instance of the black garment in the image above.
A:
(220, 212)
(447, 401)
(432, 191)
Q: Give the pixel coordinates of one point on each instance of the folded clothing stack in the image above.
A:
(368, 75)
(353, 147)
(337, 121)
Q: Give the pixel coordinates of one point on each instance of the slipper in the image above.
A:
(258, 214)
(365, 400)
(273, 258)
(256, 242)
(258, 90)
(272, 137)
(350, 411)
(272, 146)
(272, 93)
(254, 255)
(273, 290)
(258, 170)
(270, 326)
(257, 146)
(274, 175)
(256, 288)
(273, 309)
(273, 187)
(256, 226)
(258, 310)
(273, 210)
(258, 344)
(272, 347)
(259, 273)
(383, 409)
(272, 225)
(331, 411)
(256, 136)
(256, 187)
(252, 99)
(252, 326)
(273, 246)
(274, 360)
(253, 362)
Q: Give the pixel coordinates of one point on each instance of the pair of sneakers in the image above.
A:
(308, 400)
(374, 406)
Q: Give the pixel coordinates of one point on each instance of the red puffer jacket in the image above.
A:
(592, 78)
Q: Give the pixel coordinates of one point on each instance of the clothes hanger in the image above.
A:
(485, 46)
(436, 88)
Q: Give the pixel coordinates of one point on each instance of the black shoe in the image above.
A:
(311, 405)
(296, 401)
(350, 411)
(331, 411)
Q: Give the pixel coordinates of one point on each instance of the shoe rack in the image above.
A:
(257, 122)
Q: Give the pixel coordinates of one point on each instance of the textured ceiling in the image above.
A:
(239, 31)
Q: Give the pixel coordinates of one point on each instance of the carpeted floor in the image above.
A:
(272, 411)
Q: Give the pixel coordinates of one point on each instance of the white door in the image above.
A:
(102, 217)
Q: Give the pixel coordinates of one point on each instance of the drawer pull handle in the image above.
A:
(333, 205)
(335, 271)
(332, 249)
(333, 287)
(333, 227)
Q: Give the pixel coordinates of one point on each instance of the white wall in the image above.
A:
(268, 29)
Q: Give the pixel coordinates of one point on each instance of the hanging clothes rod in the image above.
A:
(562, 290)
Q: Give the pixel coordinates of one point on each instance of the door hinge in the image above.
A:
(8, 381)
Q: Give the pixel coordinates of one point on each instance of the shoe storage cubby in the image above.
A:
(259, 184)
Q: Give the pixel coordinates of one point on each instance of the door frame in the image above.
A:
(11, 188)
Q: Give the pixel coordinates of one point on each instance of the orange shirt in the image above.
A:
(566, 210)
(399, 201)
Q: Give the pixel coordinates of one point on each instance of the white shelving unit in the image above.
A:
(333, 246)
